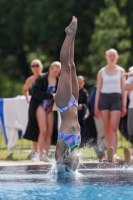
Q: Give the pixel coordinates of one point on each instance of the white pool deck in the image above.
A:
(28, 162)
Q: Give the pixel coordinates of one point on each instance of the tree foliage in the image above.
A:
(35, 29)
(108, 33)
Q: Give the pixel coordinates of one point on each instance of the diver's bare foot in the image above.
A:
(72, 28)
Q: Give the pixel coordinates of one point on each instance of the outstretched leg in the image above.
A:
(75, 90)
(64, 90)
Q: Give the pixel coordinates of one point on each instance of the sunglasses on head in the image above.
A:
(34, 65)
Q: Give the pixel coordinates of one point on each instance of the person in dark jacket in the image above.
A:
(36, 68)
(83, 111)
(41, 117)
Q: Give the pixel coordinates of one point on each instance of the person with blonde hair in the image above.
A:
(36, 68)
(110, 100)
(41, 117)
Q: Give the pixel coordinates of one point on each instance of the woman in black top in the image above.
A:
(36, 68)
(41, 117)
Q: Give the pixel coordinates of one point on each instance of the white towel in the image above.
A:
(15, 117)
(11, 134)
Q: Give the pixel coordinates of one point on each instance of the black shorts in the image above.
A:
(110, 101)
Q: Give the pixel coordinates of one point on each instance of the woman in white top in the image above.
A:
(110, 100)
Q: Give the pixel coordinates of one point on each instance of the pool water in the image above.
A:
(88, 183)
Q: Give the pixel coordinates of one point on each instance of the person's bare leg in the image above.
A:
(50, 125)
(61, 147)
(64, 90)
(110, 154)
(75, 90)
(106, 117)
(35, 146)
(34, 155)
(114, 122)
(65, 85)
(127, 155)
(41, 120)
(63, 156)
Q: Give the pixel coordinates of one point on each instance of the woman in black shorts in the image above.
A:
(110, 100)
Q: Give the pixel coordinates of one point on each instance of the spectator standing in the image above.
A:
(36, 68)
(129, 88)
(100, 142)
(83, 111)
(110, 101)
(41, 116)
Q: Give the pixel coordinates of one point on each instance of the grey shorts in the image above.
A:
(110, 101)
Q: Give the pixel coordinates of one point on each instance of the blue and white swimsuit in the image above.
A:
(72, 140)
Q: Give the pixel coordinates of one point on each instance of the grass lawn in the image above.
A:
(23, 149)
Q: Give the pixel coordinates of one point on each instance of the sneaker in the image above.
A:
(34, 157)
(103, 159)
(44, 158)
(127, 154)
(110, 155)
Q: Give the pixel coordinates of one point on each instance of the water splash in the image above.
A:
(66, 165)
